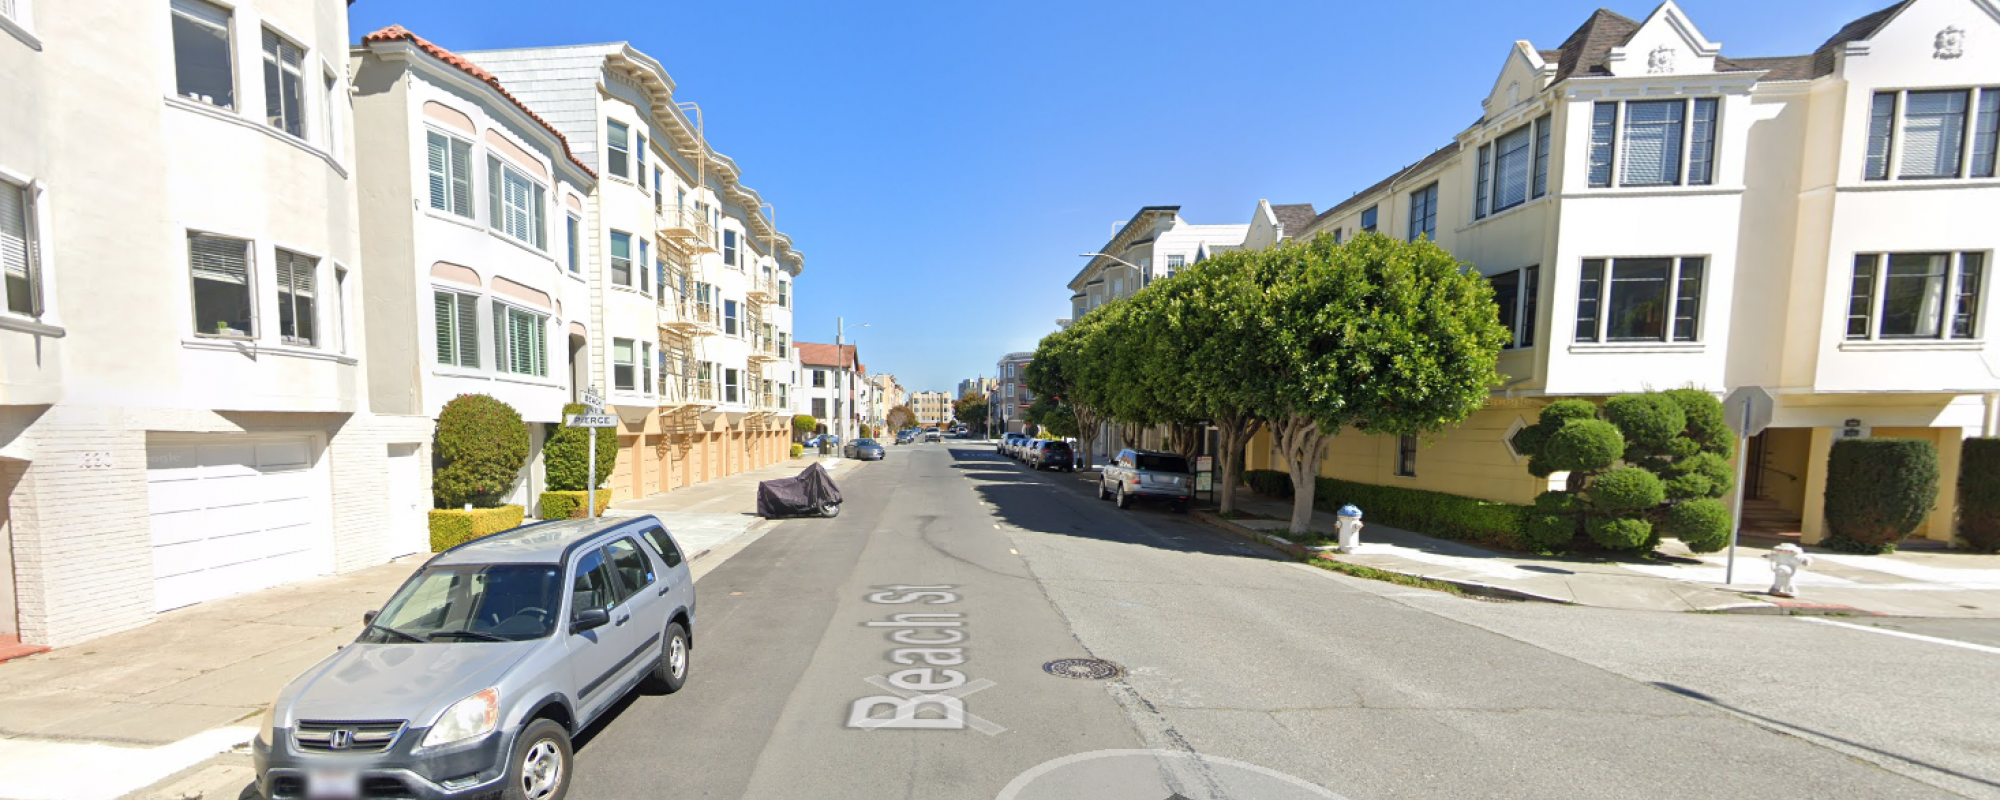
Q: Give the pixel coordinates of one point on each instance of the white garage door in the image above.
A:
(233, 514)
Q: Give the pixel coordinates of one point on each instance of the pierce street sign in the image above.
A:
(1749, 410)
(592, 421)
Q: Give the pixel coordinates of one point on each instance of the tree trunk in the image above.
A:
(1129, 433)
(1186, 440)
(1234, 432)
(1086, 427)
(1301, 441)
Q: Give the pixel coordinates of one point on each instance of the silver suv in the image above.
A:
(473, 677)
(1148, 475)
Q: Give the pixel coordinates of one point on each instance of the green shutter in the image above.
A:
(438, 145)
(445, 340)
(501, 360)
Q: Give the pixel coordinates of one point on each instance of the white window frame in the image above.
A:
(1953, 284)
(229, 44)
(464, 324)
(1674, 278)
(573, 231)
(612, 249)
(632, 350)
(1899, 120)
(471, 185)
(266, 60)
(1621, 120)
(617, 158)
(329, 126)
(281, 287)
(251, 284)
(533, 206)
(732, 324)
(503, 338)
(729, 246)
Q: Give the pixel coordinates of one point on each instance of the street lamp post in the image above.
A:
(839, 343)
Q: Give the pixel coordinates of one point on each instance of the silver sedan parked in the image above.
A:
(865, 450)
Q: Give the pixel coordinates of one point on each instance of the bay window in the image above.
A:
(284, 84)
(450, 162)
(204, 70)
(617, 148)
(1513, 169)
(646, 363)
(1423, 213)
(1640, 300)
(730, 380)
(1915, 296)
(644, 259)
(1932, 134)
(457, 328)
(1516, 292)
(623, 372)
(621, 258)
(520, 341)
(1653, 142)
(729, 247)
(220, 268)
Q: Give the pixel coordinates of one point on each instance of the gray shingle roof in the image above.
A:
(1294, 218)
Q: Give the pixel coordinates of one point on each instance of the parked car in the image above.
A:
(1005, 441)
(1147, 475)
(1011, 442)
(865, 450)
(933, 436)
(828, 438)
(1051, 454)
(475, 675)
(906, 437)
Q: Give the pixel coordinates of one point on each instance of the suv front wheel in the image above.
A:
(540, 767)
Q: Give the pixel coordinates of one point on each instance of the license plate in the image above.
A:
(333, 784)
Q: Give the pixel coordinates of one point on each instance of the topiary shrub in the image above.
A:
(1547, 533)
(1580, 445)
(1979, 495)
(566, 455)
(569, 505)
(1620, 533)
(1701, 475)
(1626, 489)
(483, 444)
(1878, 491)
(803, 425)
(451, 527)
(798, 449)
(1702, 525)
(1648, 421)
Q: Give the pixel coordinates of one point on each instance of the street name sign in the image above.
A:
(592, 421)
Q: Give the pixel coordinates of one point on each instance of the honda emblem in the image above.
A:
(341, 739)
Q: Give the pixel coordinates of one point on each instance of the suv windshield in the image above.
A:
(471, 602)
(1148, 462)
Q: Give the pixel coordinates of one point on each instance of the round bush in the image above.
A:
(1707, 422)
(1689, 487)
(1713, 467)
(1702, 525)
(1547, 532)
(1649, 420)
(1562, 411)
(803, 424)
(483, 444)
(1879, 490)
(1620, 533)
(1558, 503)
(1583, 445)
(1626, 489)
(566, 455)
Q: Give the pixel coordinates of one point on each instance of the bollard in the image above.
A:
(1350, 527)
(1787, 560)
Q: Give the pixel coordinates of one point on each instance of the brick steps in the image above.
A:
(11, 648)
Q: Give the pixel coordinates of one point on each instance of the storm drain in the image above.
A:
(1083, 669)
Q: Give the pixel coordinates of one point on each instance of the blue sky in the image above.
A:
(942, 164)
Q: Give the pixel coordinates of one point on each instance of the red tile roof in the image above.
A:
(399, 33)
(827, 355)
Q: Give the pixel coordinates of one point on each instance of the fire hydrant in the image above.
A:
(1350, 527)
(1786, 562)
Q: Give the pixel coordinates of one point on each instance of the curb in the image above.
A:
(1794, 608)
(1307, 554)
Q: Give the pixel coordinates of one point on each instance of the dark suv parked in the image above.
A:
(1050, 454)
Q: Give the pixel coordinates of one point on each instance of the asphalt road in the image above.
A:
(1365, 689)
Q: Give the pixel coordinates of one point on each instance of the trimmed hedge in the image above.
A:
(451, 527)
(798, 449)
(566, 454)
(483, 443)
(1878, 491)
(1979, 495)
(1447, 516)
(569, 505)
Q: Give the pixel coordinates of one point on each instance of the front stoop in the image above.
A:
(12, 648)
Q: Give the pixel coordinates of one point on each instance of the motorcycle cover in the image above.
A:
(807, 493)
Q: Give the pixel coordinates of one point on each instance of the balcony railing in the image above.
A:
(687, 229)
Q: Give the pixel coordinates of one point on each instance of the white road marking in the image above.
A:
(1905, 635)
(1014, 551)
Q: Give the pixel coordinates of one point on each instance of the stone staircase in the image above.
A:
(1765, 523)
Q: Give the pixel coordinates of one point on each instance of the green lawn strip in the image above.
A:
(1373, 574)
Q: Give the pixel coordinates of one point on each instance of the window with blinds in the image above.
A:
(1932, 134)
(203, 69)
(297, 300)
(284, 84)
(450, 173)
(457, 328)
(20, 254)
(517, 203)
(1654, 142)
(222, 286)
(1513, 163)
(624, 375)
(520, 341)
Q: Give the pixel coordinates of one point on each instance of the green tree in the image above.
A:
(1214, 319)
(1643, 466)
(1063, 372)
(901, 417)
(566, 455)
(1379, 335)
(803, 426)
(483, 444)
(971, 409)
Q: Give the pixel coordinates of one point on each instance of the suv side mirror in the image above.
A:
(368, 617)
(588, 618)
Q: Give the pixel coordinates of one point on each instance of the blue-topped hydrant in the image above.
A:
(1350, 527)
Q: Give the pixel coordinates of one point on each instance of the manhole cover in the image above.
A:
(1089, 669)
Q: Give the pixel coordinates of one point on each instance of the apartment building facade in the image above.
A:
(183, 413)
(688, 331)
(1653, 213)
(933, 408)
(1010, 401)
(471, 240)
(1155, 243)
(830, 388)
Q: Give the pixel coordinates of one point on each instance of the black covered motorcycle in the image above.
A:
(810, 492)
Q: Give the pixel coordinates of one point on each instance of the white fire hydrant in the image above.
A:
(1786, 562)
(1350, 527)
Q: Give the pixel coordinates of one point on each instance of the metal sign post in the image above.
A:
(591, 421)
(1748, 410)
(1204, 475)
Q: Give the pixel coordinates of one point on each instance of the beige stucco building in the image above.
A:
(1654, 213)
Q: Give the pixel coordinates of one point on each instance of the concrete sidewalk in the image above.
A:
(144, 713)
(1904, 584)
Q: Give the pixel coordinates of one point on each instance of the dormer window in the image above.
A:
(1653, 143)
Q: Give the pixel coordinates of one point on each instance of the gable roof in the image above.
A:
(838, 356)
(1588, 48)
(1294, 218)
(1424, 164)
(399, 33)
